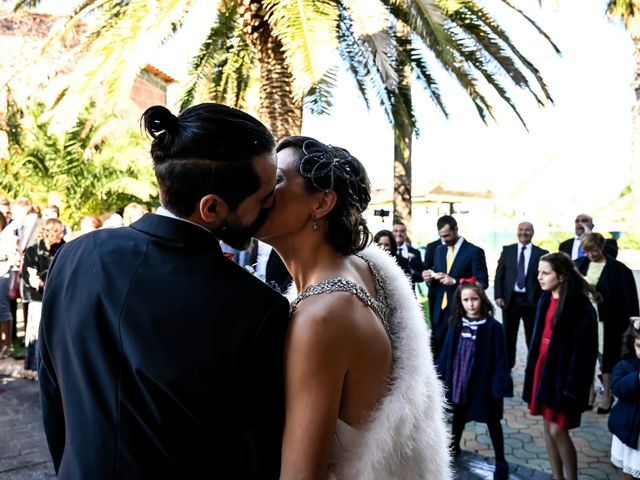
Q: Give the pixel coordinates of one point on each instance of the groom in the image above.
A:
(124, 393)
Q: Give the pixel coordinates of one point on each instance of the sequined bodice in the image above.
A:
(340, 284)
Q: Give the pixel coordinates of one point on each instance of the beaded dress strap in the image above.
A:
(341, 284)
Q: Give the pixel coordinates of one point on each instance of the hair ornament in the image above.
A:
(635, 321)
(323, 164)
(472, 280)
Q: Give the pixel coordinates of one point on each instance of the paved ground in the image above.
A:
(23, 453)
(24, 456)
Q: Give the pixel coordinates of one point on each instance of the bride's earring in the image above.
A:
(314, 225)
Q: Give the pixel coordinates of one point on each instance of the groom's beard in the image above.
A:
(240, 237)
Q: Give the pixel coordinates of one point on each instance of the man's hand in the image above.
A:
(428, 275)
(500, 302)
(444, 279)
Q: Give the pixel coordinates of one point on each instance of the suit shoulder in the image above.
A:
(539, 250)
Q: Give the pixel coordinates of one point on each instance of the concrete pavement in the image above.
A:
(24, 456)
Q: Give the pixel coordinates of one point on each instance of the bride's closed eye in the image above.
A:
(279, 177)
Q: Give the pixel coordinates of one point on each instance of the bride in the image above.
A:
(362, 398)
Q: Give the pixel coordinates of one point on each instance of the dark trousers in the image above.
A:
(517, 309)
(458, 422)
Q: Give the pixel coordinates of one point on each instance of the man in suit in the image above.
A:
(123, 394)
(517, 290)
(584, 224)
(407, 251)
(454, 260)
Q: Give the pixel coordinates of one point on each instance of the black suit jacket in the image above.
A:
(415, 264)
(160, 358)
(429, 254)
(507, 270)
(610, 247)
(619, 302)
(277, 273)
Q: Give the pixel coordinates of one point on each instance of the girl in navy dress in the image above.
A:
(475, 369)
(624, 420)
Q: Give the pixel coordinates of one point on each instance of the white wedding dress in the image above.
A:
(405, 437)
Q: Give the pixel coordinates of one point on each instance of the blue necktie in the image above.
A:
(520, 276)
(580, 251)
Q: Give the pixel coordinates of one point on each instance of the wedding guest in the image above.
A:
(132, 212)
(475, 369)
(516, 287)
(35, 267)
(362, 397)
(624, 421)
(619, 301)
(385, 240)
(584, 224)
(562, 357)
(6, 316)
(405, 250)
(456, 258)
(123, 394)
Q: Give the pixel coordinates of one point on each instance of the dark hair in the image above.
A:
(447, 220)
(457, 310)
(328, 168)
(3, 221)
(392, 240)
(630, 334)
(208, 148)
(572, 282)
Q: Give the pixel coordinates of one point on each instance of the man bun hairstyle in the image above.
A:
(208, 148)
(327, 168)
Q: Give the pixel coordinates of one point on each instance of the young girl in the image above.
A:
(562, 357)
(475, 370)
(624, 419)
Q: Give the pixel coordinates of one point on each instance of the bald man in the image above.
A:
(584, 224)
(516, 287)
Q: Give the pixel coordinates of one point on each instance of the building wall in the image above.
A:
(148, 90)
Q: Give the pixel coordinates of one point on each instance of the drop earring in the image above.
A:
(314, 225)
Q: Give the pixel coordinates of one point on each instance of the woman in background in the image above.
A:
(385, 240)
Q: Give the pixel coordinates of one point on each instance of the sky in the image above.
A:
(575, 155)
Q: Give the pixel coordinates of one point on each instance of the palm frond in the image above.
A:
(223, 64)
(306, 30)
(319, 98)
(424, 75)
(115, 52)
(477, 23)
(360, 61)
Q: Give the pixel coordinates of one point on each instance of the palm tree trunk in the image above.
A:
(634, 226)
(402, 138)
(279, 109)
(402, 174)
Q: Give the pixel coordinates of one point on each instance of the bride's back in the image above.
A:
(352, 311)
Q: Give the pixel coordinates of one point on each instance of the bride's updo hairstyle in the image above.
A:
(326, 168)
(208, 148)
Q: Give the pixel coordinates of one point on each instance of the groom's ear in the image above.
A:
(213, 209)
(324, 203)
